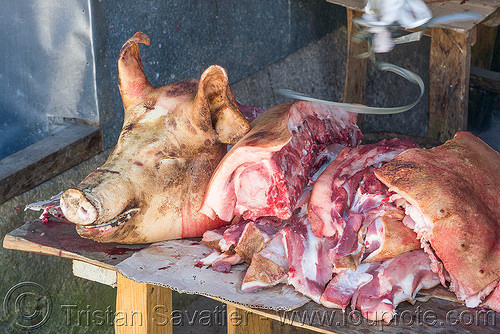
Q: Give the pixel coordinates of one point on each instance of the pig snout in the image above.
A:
(98, 199)
(77, 208)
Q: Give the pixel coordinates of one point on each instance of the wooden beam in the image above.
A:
(485, 79)
(94, 273)
(48, 157)
(449, 72)
(142, 308)
(243, 320)
(355, 73)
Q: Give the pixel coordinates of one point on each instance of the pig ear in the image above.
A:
(132, 82)
(227, 119)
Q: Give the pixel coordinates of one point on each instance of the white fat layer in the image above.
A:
(310, 257)
(423, 225)
(473, 301)
(330, 304)
(249, 178)
(275, 252)
(253, 286)
(350, 280)
(210, 258)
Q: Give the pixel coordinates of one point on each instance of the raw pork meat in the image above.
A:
(265, 172)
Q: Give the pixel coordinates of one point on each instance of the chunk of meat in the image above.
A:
(452, 194)
(342, 287)
(225, 261)
(387, 237)
(265, 172)
(232, 236)
(153, 183)
(243, 238)
(210, 258)
(268, 267)
(349, 186)
(221, 262)
(349, 201)
(309, 268)
(254, 237)
(395, 280)
(211, 238)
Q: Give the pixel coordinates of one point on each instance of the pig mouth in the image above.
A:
(119, 220)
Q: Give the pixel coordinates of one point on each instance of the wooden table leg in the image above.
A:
(242, 321)
(355, 74)
(142, 308)
(449, 72)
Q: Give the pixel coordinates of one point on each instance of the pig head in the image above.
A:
(173, 137)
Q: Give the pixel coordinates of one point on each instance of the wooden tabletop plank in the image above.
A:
(437, 315)
(61, 239)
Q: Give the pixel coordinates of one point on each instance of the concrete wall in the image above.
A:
(188, 36)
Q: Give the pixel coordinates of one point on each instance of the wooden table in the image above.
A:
(96, 261)
(450, 60)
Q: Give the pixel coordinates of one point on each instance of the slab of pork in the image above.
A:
(265, 172)
(395, 280)
(348, 186)
(349, 202)
(452, 194)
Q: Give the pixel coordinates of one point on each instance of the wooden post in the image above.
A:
(355, 73)
(482, 50)
(142, 308)
(449, 72)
